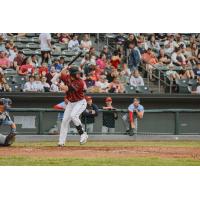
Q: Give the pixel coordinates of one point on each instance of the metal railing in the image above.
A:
(156, 121)
(158, 78)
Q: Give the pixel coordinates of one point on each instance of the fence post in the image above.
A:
(148, 77)
(177, 123)
(159, 81)
(40, 131)
(170, 89)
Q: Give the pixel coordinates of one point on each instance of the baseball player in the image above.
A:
(109, 117)
(135, 111)
(74, 88)
(89, 114)
(5, 119)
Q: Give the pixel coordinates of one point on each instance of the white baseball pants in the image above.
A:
(2, 139)
(72, 113)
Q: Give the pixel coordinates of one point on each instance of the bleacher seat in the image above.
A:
(37, 52)
(69, 53)
(142, 89)
(32, 46)
(35, 39)
(192, 82)
(182, 85)
(20, 45)
(16, 87)
(129, 89)
(30, 34)
(28, 52)
(9, 79)
(19, 79)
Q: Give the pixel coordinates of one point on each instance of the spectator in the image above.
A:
(64, 38)
(115, 60)
(120, 40)
(191, 54)
(163, 58)
(153, 44)
(111, 74)
(106, 52)
(4, 61)
(4, 87)
(58, 66)
(102, 84)
(19, 59)
(51, 74)
(10, 53)
(124, 75)
(26, 69)
(44, 84)
(136, 79)
(131, 39)
(177, 57)
(102, 62)
(45, 42)
(39, 87)
(169, 45)
(134, 57)
(92, 52)
(88, 116)
(180, 41)
(186, 72)
(89, 81)
(115, 86)
(46, 57)
(34, 61)
(62, 61)
(30, 86)
(43, 70)
(172, 74)
(150, 60)
(74, 43)
(109, 117)
(197, 69)
(86, 43)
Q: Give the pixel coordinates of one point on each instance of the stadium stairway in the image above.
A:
(154, 86)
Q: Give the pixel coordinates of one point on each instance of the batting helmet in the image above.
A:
(74, 70)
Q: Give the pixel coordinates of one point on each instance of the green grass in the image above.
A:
(116, 144)
(141, 161)
(26, 161)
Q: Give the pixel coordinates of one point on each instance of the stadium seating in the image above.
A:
(130, 89)
(182, 85)
(143, 89)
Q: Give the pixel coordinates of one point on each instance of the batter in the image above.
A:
(74, 88)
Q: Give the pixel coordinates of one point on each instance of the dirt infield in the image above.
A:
(101, 152)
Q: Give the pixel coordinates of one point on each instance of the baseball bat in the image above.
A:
(75, 58)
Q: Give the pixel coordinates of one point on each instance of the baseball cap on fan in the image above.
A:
(108, 99)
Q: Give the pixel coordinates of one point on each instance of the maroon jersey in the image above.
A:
(76, 89)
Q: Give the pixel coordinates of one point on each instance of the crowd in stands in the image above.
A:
(106, 70)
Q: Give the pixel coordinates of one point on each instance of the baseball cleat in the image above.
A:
(132, 132)
(61, 145)
(83, 138)
(10, 139)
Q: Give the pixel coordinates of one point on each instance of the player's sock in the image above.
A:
(80, 129)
